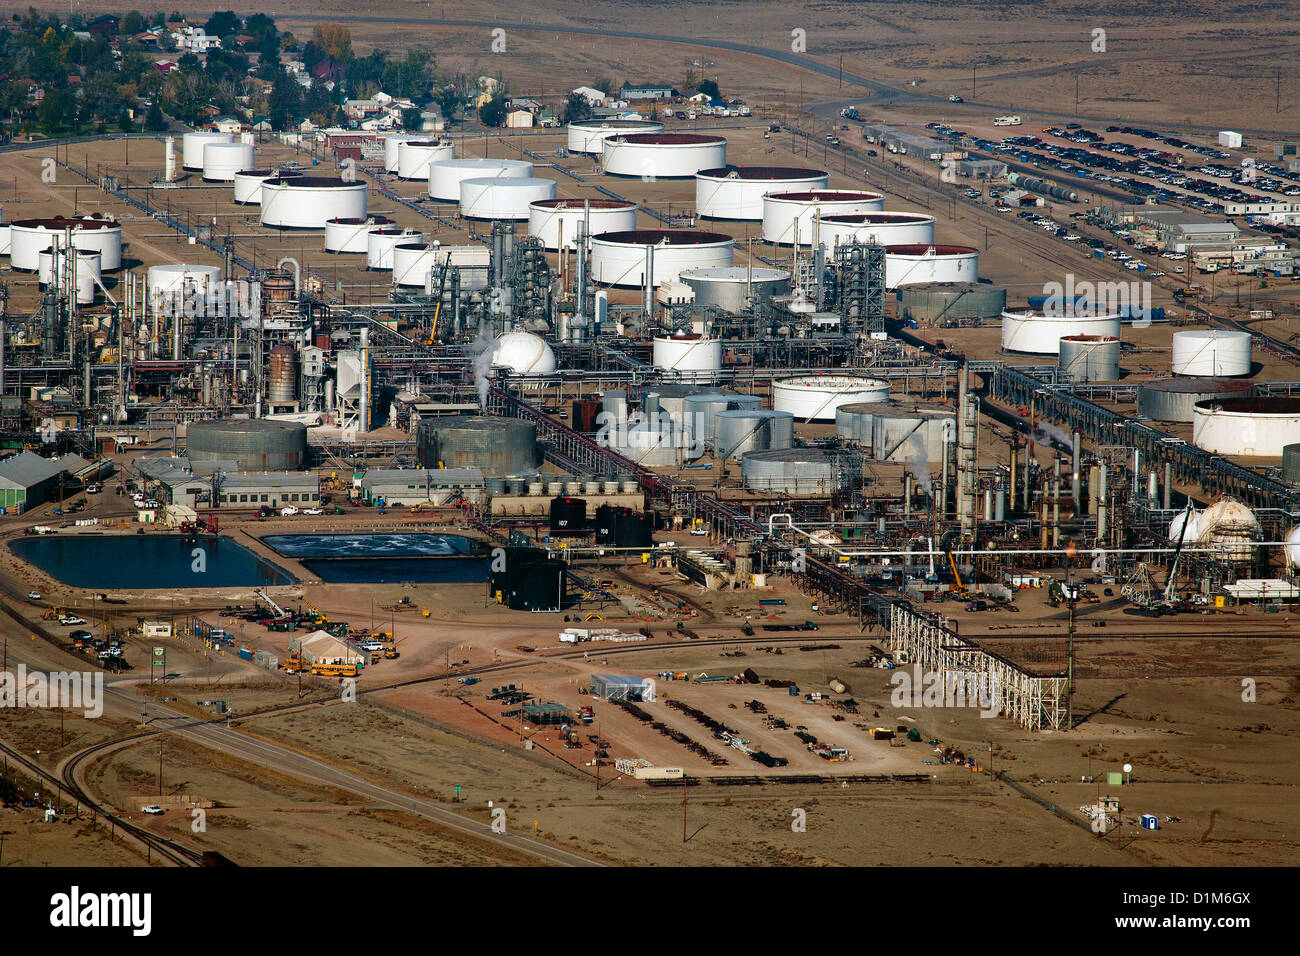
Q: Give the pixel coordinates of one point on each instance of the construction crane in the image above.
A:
(1140, 588)
(265, 599)
(437, 309)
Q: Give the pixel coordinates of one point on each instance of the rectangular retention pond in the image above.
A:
(148, 561)
(411, 557)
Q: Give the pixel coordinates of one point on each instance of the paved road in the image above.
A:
(39, 655)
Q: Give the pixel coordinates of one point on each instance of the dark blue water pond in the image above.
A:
(148, 561)
(384, 558)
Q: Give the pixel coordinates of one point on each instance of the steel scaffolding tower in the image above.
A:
(861, 286)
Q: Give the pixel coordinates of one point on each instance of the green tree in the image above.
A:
(224, 23)
(154, 121)
(133, 23)
(710, 89)
(58, 111)
(411, 119)
(576, 107)
(449, 100)
(493, 112)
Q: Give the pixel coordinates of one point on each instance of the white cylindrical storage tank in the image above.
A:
(248, 183)
(168, 283)
(28, 237)
(381, 243)
(308, 202)
(445, 175)
(662, 155)
(919, 264)
(1211, 352)
(816, 397)
(619, 258)
(687, 353)
(502, 198)
(221, 161)
(392, 146)
(411, 262)
(349, 235)
(1253, 427)
(885, 228)
(524, 353)
(588, 136)
(790, 217)
(1040, 334)
(415, 156)
(557, 221)
(736, 288)
(4, 240)
(52, 264)
(736, 192)
(741, 430)
(1089, 358)
(661, 445)
(193, 144)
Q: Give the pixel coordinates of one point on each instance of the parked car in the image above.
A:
(33, 595)
(312, 511)
(70, 620)
(288, 510)
(152, 809)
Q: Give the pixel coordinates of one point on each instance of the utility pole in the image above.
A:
(1069, 697)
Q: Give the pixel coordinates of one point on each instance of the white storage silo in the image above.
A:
(349, 235)
(736, 192)
(588, 136)
(920, 263)
(502, 197)
(1040, 334)
(686, 353)
(248, 183)
(445, 175)
(1250, 427)
(308, 202)
(619, 258)
(168, 285)
(662, 155)
(393, 144)
(1211, 352)
(557, 221)
(380, 244)
(816, 397)
(885, 228)
(53, 269)
(193, 144)
(93, 233)
(416, 156)
(791, 217)
(412, 262)
(221, 161)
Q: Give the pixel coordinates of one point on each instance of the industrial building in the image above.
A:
(408, 486)
(276, 489)
(28, 480)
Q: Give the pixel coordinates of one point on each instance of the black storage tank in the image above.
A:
(568, 515)
(606, 515)
(633, 529)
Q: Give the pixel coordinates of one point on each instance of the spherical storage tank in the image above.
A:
(415, 156)
(662, 155)
(1089, 358)
(308, 202)
(27, 237)
(736, 192)
(221, 161)
(350, 234)
(167, 283)
(1256, 427)
(382, 243)
(742, 430)
(885, 228)
(193, 145)
(816, 397)
(54, 263)
(1041, 334)
(556, 221)
(809, 472)
(619, 258)
(1211, 352)
(736, 288)
(524, 353)
(699, 413)
(248, 183)
(920, 263)
(1231, 528)
(686, 353)
(256, 444)
(445, 175)
(790, 217)
(1174, 400)
(1292, 549)
(588, 136)
(494, 197)
(496, 446)
(951, 304)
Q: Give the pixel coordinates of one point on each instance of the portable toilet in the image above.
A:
(1150, 821)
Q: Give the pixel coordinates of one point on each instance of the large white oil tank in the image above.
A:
(1211, 352)
(445, 175)
(557, 221)
(885, 228)
(686, 353)
(1089, 358)
(736, 192)
(381, 243)
(619, 258)
(392, 146)
(1189, 517)
(4, 240)
(167, 283)
(700, 412)
(652, 156)
(53, 265)
(1040, 334)
(1292, 549)
(1251, 427)
(661, 444)
(415, 156)
(502, 197)
(193, 144)
(790, 217)
(919, 263)
(248, 183)
(588, 136)
(816, 397)
(412, 261)
(349, 235)
(93, 233)
(524, 353)
(221, 161)
(308, 202)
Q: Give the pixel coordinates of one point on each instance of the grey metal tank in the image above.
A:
(700, 412)
(802, 472)
(257, 444)
(1291, 464)
(735, 288)
(897, 431)
(1089, 358)
(944, 304)
(497, 446)
(741, 430)
(1174, 399)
